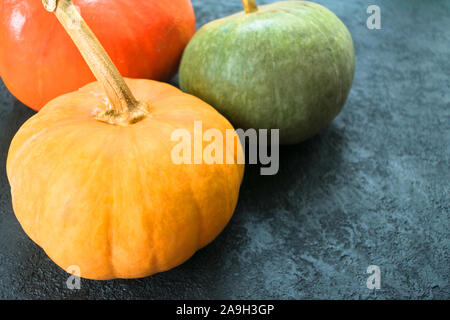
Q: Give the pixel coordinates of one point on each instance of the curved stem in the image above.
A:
(250, 6)
(124, 106)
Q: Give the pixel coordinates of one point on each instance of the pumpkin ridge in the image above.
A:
(199, 214)
(161, 266)
(102, 153)
(138, 155)
(110, 237)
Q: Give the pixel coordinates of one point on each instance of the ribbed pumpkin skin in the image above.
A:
(39, 62)
(288, 66)
(108, 198)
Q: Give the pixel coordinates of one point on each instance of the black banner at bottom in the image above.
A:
(235, 309)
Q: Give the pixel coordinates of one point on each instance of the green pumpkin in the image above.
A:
(287, 65)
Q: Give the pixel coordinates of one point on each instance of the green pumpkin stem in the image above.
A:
(250, 6)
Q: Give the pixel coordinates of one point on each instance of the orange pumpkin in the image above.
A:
(145, 39)
(92, 178)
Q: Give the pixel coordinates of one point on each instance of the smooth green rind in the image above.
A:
(288, 66)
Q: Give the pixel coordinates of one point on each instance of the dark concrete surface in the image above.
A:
(372, 189)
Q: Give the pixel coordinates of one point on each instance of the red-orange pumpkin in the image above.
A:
(144, 38)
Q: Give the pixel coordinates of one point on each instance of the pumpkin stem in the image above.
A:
(124, 108)
(250, 6)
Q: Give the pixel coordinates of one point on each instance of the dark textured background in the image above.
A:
(372, 189)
